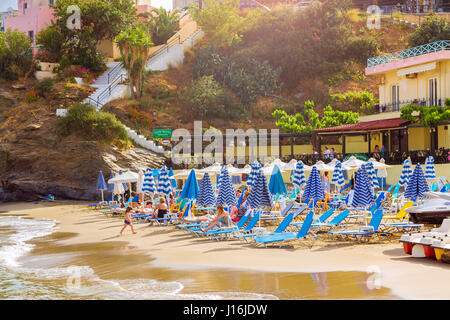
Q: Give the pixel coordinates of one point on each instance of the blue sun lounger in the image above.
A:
(281, 228)
(365, 231)
(286, 236)
(319, 220)
(226, 233)
(159, 221)
(240, 224)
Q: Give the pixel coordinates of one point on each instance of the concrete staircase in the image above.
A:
(108, 86)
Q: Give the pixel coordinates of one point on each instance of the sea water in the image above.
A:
(35, 264)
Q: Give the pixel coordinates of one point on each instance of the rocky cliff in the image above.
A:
(36, 161)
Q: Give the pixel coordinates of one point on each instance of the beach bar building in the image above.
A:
(420, 76)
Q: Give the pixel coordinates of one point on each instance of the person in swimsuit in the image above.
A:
(128, 221)
(221, 214)
(160, 210)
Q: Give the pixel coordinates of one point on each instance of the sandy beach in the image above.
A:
(405, 276)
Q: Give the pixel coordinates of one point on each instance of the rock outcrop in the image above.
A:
(36, 161)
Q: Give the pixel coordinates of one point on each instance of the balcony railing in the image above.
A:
(396, 106)
(408, 53)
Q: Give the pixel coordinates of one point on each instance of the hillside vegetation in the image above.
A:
(265, 65)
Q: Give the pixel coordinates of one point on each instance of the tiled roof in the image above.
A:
(366, 126)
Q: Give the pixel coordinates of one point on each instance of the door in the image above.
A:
(432, 92)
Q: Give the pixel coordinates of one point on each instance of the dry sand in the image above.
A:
(407, 277)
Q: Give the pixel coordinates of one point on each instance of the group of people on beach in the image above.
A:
(161, 209)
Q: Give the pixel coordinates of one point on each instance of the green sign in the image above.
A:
(358, 156)
(162, 133)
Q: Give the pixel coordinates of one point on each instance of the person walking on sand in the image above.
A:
(128, 221)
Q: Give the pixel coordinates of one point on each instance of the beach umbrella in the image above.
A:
(253, 173)
(164, 185)
(111, 185)
(417, 185)
(314, 187)
(321, 166)
(149, 185)
(118, 188)
(352, 163)
(276, 183)
(259, 194)
(371, 174)
(430, 172)
(298, 178)
(206, 196)
(101, 184)
(140, 182)
(173, 181)
(338, 175)
(125, 177)
(406, 172)
(227, 195)
(190, 189)
(363, 195)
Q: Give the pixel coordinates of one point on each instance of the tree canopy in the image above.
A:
(309, 120)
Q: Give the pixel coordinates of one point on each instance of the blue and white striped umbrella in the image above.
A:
(164, 185)
(406, 173)
(372, 175)
(314, 187)
(206, 196)
(298, 178)
(227, 195)
(253, 173)
(149, 186)
(417, 185)
(430, 171)
(259, 194)
(338, 175)
(363, 193)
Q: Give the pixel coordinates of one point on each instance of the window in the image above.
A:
(25, 5)
(31, 36)
(395, 98)
(432, 92)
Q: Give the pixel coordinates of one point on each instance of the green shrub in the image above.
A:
(44, 87)
(249, 79)
(15, 54)
(433, 29)
(99, 126)
(208, 98)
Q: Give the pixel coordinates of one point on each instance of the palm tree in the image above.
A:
(162, 24)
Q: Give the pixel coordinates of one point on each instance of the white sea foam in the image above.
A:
(14, 245)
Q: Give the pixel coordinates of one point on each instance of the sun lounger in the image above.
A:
(240, 224)
(173, 218)
(319, 220)
(281, 228)
(401, 215)
(226, 233)
(286, 236)
(365, 232)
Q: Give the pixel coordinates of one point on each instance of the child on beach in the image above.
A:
(128, 221)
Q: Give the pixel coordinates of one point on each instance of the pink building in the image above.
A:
(32, 17)
(35, 15)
